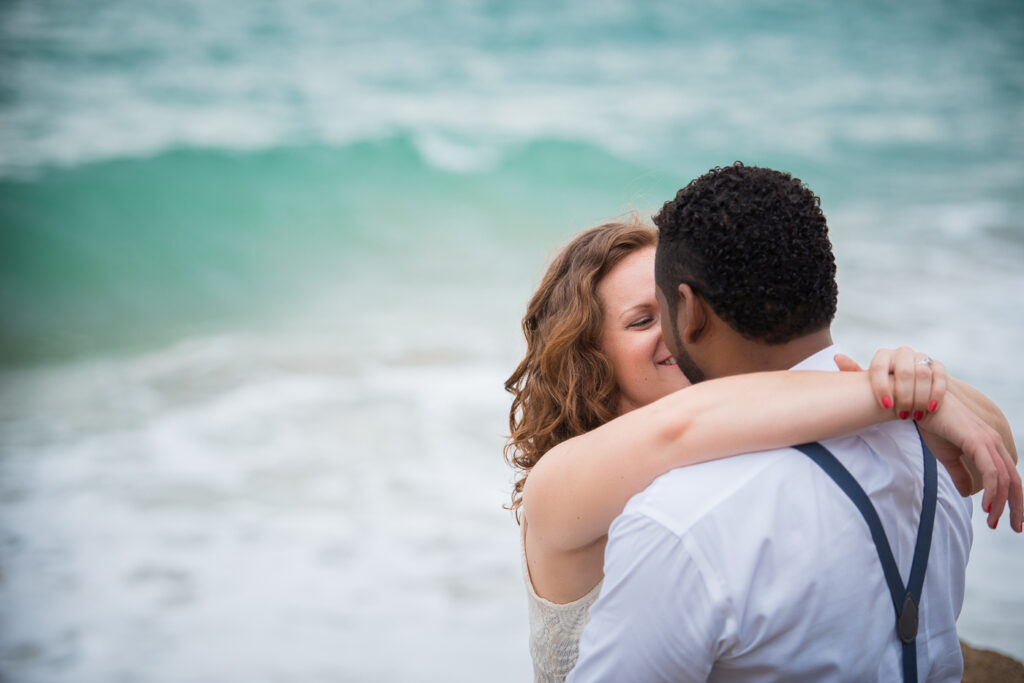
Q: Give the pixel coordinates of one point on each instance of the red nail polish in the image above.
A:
(904, 414)
(886, 402)
(918, 414)
(987, 508)
(933, 406)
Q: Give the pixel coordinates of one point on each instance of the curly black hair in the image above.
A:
(754, 244)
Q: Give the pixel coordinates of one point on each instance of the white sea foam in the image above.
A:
(260, 505)
(451, 155)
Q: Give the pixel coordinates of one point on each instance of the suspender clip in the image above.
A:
(906, 624)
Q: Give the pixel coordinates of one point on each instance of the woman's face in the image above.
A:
(631, 333)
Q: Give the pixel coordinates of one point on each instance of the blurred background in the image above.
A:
(262, 266)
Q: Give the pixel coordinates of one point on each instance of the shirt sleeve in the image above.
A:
(657, 618)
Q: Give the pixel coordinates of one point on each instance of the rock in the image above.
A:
(988, 666)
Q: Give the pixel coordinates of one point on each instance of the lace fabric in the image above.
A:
(555, 629)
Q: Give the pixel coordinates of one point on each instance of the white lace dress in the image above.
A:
(555, 629)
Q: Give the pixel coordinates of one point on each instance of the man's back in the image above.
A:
(760, 568)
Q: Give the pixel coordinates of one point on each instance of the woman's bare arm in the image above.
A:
(575, 491)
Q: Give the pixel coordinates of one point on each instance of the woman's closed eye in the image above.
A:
(641, 323)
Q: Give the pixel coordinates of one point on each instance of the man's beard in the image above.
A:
(685, 362)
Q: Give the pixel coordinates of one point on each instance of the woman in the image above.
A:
(597, 415)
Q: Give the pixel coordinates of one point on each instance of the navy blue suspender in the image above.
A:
(905, 599)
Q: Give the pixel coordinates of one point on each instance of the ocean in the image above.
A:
(262, 267)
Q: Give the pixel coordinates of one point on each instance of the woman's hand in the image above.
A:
(965, 441)
(968, 444)
(907, 381)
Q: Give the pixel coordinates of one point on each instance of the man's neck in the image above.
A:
(742, 355)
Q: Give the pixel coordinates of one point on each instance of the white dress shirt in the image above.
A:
(759, 568)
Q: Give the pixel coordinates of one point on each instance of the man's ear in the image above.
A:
(692, 314)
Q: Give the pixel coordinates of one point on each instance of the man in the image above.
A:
(759, 568)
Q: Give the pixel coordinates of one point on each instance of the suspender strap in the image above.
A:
(905, 599)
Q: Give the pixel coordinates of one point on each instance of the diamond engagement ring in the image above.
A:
(927, 360)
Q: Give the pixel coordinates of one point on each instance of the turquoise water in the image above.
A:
(169, 165)
(140, 249)
(262, 265)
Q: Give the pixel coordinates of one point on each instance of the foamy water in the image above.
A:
(262, 509)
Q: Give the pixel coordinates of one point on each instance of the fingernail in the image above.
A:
(886, 402)
(992, 525)
(904, 414)
(918, 414)
(933, 406)
(987, 508)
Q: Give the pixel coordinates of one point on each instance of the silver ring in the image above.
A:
(927, 360)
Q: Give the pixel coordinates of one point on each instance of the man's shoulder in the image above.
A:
(682, 497)
(885, 459)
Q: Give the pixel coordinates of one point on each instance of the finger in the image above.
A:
(922, 384)
(1001, 487)
(985, 464)
(847, 364)
(940, 382)
(903, 379)
(1014, 492)
(878, 375)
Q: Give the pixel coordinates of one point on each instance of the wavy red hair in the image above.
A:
(565, 385)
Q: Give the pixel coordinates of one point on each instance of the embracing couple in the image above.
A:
(650, 552)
